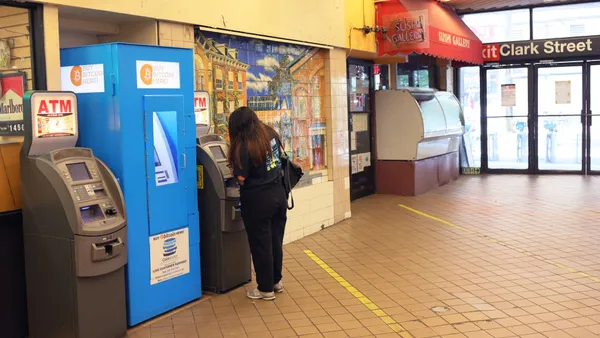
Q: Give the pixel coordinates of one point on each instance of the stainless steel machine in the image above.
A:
(225, 254)
(75, 228)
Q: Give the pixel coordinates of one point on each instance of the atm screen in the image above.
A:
(78, 171)
(217, 152)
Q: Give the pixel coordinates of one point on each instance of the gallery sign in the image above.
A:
(424, 27)
(408, 28)
(542, 50)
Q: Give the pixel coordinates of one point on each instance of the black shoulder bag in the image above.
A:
(292, 173)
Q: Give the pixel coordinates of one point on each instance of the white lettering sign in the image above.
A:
(157, 75)
(455, 40)
(83, 79)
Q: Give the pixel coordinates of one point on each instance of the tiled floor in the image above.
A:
(496, 256)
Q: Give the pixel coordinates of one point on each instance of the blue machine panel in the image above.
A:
(142, 126)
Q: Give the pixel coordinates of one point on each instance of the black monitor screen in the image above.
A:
(217, 152)
(78, 171)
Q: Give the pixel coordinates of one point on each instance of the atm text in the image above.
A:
(200, 102)
(57, 106)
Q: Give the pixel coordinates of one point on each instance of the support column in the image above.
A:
(336, 110)
(52, 47)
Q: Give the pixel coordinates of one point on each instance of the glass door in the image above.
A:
(507, 119)
(560, 118)
(360, 90)
(593, 119)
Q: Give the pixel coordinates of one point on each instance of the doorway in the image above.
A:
(539, 118)
(360, 124)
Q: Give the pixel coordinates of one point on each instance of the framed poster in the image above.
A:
(12, 87)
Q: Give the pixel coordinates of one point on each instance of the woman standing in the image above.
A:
(254, 155)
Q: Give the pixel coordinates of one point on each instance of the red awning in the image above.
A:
(425, 27)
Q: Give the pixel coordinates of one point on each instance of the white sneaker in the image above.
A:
(278, 288)
(257, 294)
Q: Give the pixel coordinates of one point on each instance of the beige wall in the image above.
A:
(314, 21)
(359, 13)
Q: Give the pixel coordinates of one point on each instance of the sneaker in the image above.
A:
(278, 287)
(257, 294)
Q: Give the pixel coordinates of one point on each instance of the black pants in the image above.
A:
(265, 213)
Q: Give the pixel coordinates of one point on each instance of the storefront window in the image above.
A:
(470, 93)
(414, 73)
(381, 77)
(15, 67)
(566, 21)
(403, 79)
(421, 78)
(501, 26)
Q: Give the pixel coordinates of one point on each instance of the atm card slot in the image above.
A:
(100, 192)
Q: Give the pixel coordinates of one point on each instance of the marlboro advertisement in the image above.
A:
(11, 104)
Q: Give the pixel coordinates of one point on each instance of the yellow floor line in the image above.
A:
(509, 246)
(389, 321)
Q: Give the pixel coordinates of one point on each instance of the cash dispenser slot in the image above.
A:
(106, 250)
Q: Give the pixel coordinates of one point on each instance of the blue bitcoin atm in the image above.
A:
(136, 113)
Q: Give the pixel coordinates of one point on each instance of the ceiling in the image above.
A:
(465, 6)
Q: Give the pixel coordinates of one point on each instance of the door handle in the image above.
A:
(184, 161)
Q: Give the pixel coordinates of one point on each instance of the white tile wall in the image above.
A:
(313, 211)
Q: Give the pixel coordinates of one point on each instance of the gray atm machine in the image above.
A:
(224, 250)
(74, 228)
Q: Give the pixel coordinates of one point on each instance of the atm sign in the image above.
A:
(201, 108)
(55, 106)
(54, 114)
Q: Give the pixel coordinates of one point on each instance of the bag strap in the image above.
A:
(286, 175)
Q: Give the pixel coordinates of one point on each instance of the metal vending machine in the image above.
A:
(137, 114)
(224, 249)
(74, 225)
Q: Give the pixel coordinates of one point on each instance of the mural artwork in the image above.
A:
(283, 83)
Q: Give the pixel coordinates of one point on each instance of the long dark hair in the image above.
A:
(246, 128)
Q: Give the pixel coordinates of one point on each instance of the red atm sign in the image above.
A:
(55, 106)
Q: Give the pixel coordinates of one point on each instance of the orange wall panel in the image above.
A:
(10, 178)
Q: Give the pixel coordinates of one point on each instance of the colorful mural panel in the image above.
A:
(283, 83)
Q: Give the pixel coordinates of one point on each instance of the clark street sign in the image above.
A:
(551, 49)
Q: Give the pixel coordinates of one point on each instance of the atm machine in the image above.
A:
(224, 243)
(137, 114)
(75, 227)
